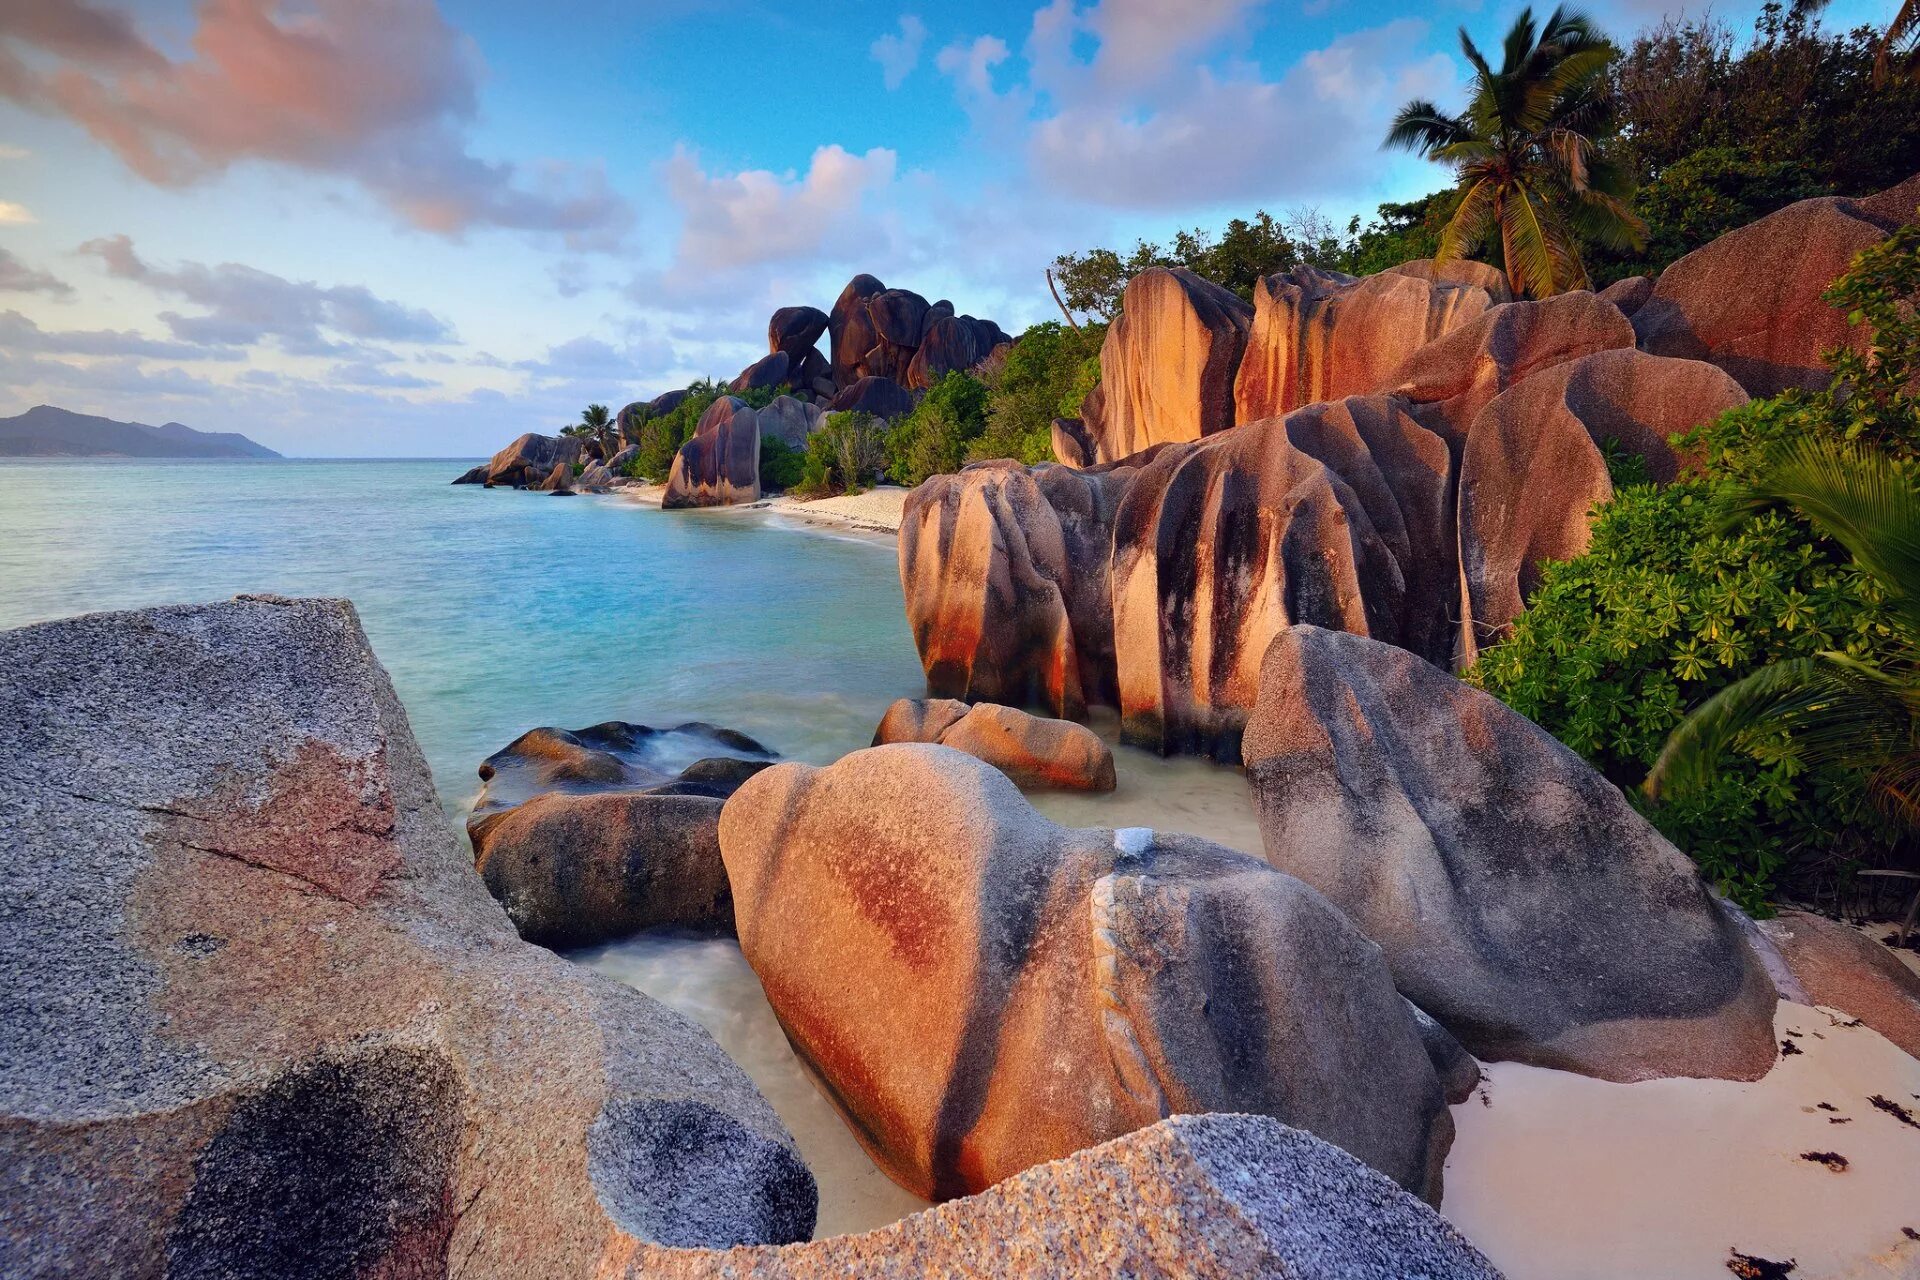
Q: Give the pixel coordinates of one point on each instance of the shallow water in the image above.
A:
(499, 611)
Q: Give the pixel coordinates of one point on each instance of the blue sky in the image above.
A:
(402, 227)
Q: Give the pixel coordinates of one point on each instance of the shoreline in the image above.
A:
(876, 512)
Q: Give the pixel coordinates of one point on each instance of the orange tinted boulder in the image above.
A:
(720, 464)
(1168, 362)
(983, 990)
(1460, 271)
(1750, 300)
(1318, 335)
(1033, 751)
(1843, 970)
(1450, 380)
(1533, 471)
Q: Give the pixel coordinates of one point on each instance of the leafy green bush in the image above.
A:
(1669, 605)
(934, 437)
(781, 465)
(1046, 374)
(660, 438)
(846, 454)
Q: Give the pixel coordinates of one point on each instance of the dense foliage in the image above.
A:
(1670, 605)
(846, 454)
(1046, 375)
(1091, 282)
(935, 436)
(659, 439)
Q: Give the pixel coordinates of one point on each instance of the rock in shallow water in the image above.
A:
(1519, 899)
(262, 1018)
(982, 990)
(598, 833)
(1033, 751)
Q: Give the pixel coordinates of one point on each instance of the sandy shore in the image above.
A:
(876, 511)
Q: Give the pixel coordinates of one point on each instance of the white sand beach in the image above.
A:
(875, 511)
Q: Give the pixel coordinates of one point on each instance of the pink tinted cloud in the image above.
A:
(378, 91)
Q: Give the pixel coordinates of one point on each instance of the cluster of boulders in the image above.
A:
(263, 1020)
(1395, 456)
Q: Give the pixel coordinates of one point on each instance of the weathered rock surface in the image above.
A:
(558, 481)
(1518, 897)
(720, 464)
(1450, 380)
(1629, 295)
(900, 316)
(531, 459)
(263, 1019)
(473, 475)
(595, 479)
(882, 397)
(789, 419)
(1839, 968)
(795, 330)
(1217, 546)
(598, 833)
(768, 371)
(982, 990)
(1461, 271)
(1749, 301)
(1072, 445)
(1195, 1197)
(1168, 362)
(1033, 751)
(982, 562)
(1319, 335)
(1533, 471)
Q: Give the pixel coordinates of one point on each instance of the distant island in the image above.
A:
(45, 431)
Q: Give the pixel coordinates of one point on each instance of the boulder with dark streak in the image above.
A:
(1520, 900)
(982, 990)
(1532, 471)
(720, 464)
(598, 833)
(531, 459)
(262, 1019)
(1168, 362)
(850, 329)
(795, 330)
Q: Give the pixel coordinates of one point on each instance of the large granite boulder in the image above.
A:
(1033, 751)
(1073, 445)
(1520, 900)
(1217, 546)
(850, 330)
(261, 1017)
(1450, 380)
(951, 343)
(595, 479)
(473, 475)
(794, 330)
(790, 420)
(1168, 362)
(559, 481)
(1319, 335)
(531, 459)
(1749, 301)
(1194, 1197)
(1461, 271)
(1841, 968)
(1532, 471)
(775, 370)
(899, 316)
(982, 566)
(982, 990)
(598, 833)
(719, 465)
(882, 397)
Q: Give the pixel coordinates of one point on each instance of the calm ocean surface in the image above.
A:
(495, 611)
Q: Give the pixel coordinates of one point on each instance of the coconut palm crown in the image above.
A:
(1526, 154)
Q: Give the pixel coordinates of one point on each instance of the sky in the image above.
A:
(419, 228)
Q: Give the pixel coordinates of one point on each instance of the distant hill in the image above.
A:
(47, 432)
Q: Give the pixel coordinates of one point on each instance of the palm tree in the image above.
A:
(1903, 35)
(1526, 157)
(597, 421)
(1838, 709)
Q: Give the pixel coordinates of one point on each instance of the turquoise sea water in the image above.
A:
(495, 611)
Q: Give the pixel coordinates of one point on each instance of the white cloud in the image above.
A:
(757, 218)
(8, 151)
(12, 214)
(971, 65)
(899, 54)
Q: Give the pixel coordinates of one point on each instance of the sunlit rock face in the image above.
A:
(263, 1018)
(720, 464)
(1750, 300)
(1167, 364)
(1520, 900)
(1533, 469)
(1319, 335)
(983, 991)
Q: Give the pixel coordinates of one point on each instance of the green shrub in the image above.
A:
(934, 437)
(1046, 375)
(660, 438)
(781, 465)
(846, 454)
(1669, 605)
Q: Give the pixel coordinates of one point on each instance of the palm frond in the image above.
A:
(1421, 127)
(1836, 713)
(1523, 242)
(1470, 221)
(1903, 30)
